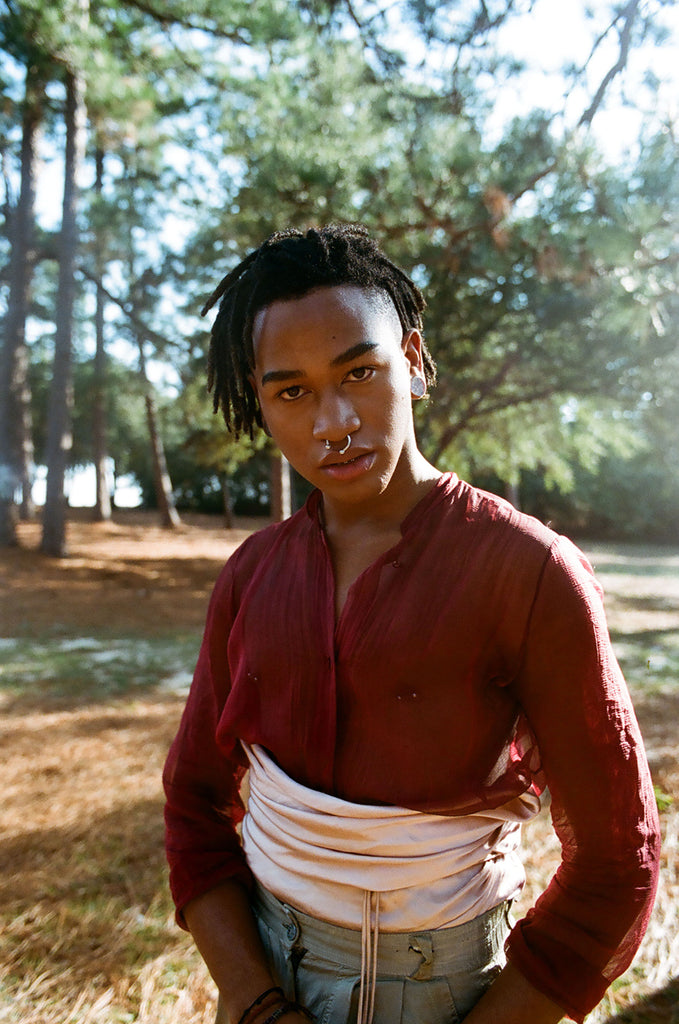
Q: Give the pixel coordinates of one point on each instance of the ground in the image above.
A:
(94, 665)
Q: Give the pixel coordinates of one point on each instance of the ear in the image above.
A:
(412, 349)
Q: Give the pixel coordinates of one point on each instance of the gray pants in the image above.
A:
(422, 977)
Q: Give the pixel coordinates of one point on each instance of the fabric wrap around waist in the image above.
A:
(322, 854)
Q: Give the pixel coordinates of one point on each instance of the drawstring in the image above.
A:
(366, 996)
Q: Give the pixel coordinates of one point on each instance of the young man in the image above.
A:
(403, 666)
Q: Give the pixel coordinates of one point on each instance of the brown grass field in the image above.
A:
(95, 654)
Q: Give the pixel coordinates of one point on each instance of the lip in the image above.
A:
(340, 468)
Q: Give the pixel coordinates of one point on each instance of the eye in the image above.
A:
(360, 373)
(291, 393)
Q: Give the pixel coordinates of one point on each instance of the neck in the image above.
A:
(385, 513)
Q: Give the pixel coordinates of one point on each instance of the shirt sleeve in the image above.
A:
(202, 775)
(584, 930)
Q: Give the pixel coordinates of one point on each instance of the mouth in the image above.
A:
(348, 469)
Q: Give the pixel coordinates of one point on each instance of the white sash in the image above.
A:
(322, 854)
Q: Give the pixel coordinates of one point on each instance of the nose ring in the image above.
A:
(340, 451)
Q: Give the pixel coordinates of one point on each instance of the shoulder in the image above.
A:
(509, 546)
(246, 560)
(490, 513)
(531, 545)
(485, 522)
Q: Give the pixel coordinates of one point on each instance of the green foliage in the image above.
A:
(663, 800)
(551, 276)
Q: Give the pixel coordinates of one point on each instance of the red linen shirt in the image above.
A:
(470, 663)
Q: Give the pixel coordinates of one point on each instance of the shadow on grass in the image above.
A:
(52, 698)
(654, 603)
(88, 901)
(65, 674)
(644, 637)
(84, 901)
(661, 1007)
(630, 559)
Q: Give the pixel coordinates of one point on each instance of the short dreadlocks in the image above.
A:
(288, 265)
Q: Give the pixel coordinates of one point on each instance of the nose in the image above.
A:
(335, 418)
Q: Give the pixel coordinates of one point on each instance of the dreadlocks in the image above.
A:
(288, 265)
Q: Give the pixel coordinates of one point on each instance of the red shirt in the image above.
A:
(470, 663)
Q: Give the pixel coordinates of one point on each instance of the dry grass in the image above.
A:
(86, 928)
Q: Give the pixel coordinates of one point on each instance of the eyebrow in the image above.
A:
(344, 357)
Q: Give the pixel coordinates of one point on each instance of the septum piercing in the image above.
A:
(340, 451)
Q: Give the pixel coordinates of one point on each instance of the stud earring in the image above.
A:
(418, 387)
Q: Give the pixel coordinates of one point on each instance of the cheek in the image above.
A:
(399, 415)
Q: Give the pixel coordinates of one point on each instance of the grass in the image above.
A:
(87, 934)
(66, 669)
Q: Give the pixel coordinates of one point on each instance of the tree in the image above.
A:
(102, 505)
(15, 411)
(59, 417)
(547, 270)
(522, 245)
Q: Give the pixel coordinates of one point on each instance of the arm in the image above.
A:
(202, 777)
(203, 805)
(208, 874)
(584, 930)
(224, 930)
(513, 1000)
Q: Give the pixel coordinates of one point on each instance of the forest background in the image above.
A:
(146, 147)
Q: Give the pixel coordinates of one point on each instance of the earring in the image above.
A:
(418, 387)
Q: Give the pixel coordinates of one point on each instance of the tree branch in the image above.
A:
(500, 405)
(473, 409)
(168, 19)
(629, 15)
(126, 307)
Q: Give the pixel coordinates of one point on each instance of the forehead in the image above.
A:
(325, 314)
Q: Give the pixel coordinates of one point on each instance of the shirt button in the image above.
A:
(396, 564)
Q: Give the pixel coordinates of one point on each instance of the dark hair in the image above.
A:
(288, 265)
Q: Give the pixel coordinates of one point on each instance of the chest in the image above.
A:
(353, 559)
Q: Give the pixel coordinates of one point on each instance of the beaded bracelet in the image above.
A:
(260, 999)
(288, 1007)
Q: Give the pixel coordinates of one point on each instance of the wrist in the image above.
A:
(259, 1009)
(270, 1006)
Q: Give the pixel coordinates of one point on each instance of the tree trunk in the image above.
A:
(169, 517)
(61, 391)
(281, 488)
(102, 503)
(16, 443)
(162, 485)
(512, 494)
(228, 502)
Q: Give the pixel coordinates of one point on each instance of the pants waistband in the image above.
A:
(400, 953)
